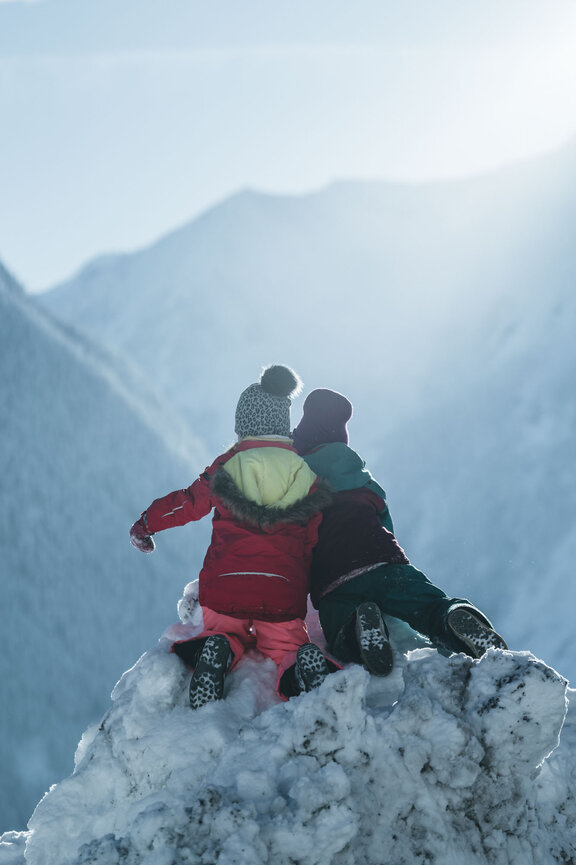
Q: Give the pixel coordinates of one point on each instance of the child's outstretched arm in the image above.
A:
(175, 509)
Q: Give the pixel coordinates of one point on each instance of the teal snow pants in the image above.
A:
(401, 591)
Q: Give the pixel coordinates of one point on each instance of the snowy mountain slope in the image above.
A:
(446, 761)
(8, 282)
(325, 282)
(445, 311)
(82, 454)
(501, 445)
(516, 489)
(368, 282)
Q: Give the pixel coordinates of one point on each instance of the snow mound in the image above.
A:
(445, 761)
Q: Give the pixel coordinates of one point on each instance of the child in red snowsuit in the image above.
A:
(253, 584)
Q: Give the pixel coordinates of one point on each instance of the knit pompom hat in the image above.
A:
(324, 417)
(264, 407)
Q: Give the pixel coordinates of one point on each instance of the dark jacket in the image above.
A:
(353, 535)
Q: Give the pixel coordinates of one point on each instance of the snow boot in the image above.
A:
(311, 667)
(474, 632)
(373, 640)
(207, 683)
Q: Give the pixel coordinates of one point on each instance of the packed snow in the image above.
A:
(447, 760)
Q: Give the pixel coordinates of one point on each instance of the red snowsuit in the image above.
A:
(258, 562)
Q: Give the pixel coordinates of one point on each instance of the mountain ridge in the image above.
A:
(76, 470)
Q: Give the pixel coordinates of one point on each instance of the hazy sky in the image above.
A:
(122, 119)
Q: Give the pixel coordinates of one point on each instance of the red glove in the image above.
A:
(141, 538)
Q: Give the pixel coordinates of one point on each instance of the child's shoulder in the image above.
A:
(328, 449)
(334, 452)
(339, 464)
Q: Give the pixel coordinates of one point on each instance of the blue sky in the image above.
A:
(122, 120)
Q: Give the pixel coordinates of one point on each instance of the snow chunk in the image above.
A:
(501, 684)
(444, 761)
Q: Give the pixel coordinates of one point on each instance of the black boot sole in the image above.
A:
(372, 635)
(207, 683)
(311, 667)
(475, 635)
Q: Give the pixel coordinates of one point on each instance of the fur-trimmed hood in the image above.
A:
(267, 517)
(267, 506)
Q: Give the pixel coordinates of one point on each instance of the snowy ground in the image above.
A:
(446, 761)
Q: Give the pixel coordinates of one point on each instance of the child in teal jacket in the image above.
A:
(359, 571)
